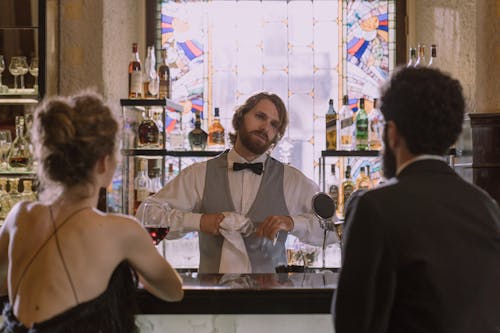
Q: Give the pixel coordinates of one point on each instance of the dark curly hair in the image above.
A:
(427, 106)
(250, 103)
(70, 134)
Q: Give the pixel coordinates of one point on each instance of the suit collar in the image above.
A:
(426, 166)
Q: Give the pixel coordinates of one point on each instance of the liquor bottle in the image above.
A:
(148, 134)
(433, 59)
(347, 188)
(361, 126)
(420, 62)
(27, 193)
(156, 181)
(376, 129)
(14, 194)
(197, 137)
(5, 202)
(331, 127)
(412, 57)
(363, 182)
(19, 156)
(149, 76)
(134, 74)
(216, 135)
(333, 187)
(346, 125)
(175, 139)
(170, 173)
(142, 184)
(164, 76)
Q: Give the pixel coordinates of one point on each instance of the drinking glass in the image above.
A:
(155, 219)
(14, 70)
(3, 89)
(5, 143)
(22, 66)
(34, 71)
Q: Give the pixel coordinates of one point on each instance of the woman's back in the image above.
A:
(55, 271)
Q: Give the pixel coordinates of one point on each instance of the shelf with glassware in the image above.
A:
(152, 152)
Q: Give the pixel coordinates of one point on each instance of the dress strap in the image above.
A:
(43, 245)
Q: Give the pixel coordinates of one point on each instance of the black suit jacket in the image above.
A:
(421, 254)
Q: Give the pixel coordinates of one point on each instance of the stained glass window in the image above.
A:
(221, 52)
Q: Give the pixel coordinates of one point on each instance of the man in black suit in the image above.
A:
(421, 252)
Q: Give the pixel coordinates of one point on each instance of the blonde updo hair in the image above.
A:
(70, 134)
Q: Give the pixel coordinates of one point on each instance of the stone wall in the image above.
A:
(466, 33)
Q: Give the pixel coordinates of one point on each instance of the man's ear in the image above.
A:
(102, 164)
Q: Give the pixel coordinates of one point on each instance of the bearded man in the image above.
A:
(421, 252)
(246, 187)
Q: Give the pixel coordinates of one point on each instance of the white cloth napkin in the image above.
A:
(234, 256)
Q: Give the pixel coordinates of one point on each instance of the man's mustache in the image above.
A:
(261, 133)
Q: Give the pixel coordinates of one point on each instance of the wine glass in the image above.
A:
(22, 66)
(34, 71)
(14, 70)
(155, 219)
(3, 89)
(5, 143)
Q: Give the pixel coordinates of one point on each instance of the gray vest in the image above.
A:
(270, 200)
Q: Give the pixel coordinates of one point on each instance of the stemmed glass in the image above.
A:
(156, 220)
(14, 69)
(3, 89)
(22, 66)
(5, 143)
(34, 72)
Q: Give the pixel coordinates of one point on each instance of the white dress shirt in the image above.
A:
(184, 195)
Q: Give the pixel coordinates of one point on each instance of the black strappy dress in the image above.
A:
(112, 311)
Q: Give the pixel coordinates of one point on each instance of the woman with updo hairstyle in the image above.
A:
(65, 266)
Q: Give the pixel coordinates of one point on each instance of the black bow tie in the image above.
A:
(255, 167)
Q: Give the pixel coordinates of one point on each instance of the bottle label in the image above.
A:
(346, 122)
(135, 82)
(331, 132)
(217, 138)
(164, 89)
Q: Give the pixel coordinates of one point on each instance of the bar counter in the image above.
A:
(282, 293)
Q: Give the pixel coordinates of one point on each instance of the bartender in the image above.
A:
(247, 188)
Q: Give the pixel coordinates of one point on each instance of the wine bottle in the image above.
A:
(216, 137)
(197, 137)
(164, 76)
(361, 126)
(331, 127)
(346, 125)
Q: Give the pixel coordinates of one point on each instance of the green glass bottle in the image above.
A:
(361, 126)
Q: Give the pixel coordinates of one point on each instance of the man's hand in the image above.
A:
(272, 224)
(209, 223)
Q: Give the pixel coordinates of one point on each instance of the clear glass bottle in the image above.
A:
(19, 156)
(14, 194)
(164, 76)
(363, 182)
(149, 75)
(433, 60)
(27, 193)
(333, 186)
(412, 58)
(347, 188)
(142, 184)
(331, 127)
(216, 133)
(156, 184)
(5, 202)
(420, 62)
(170, 173)
(175, 139)
(361, 126)
(376, 127)
(134, 74)
(346, 125)
(197, 137)
(148, 134)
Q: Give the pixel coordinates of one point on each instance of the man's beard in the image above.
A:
(253, 144)
(389, 159)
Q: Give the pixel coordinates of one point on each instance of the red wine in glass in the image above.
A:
(158, 233)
